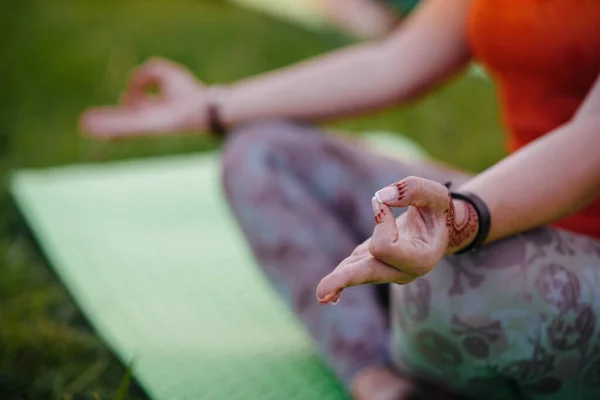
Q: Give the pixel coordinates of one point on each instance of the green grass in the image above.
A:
(60, 56)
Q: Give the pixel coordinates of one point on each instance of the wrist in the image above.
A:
(463, 225)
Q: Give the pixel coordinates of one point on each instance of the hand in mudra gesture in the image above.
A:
(178, 106)
(408, 247)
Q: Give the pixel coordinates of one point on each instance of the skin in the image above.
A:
(426, 50)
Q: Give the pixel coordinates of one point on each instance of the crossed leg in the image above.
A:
(516, 319)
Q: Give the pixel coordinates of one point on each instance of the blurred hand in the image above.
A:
(406, 248)
(179, 105)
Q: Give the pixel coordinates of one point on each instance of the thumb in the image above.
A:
(415, 191)
(385, 222)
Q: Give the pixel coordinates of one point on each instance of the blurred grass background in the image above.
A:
(59, 56)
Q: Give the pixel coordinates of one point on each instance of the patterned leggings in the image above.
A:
(515, 320)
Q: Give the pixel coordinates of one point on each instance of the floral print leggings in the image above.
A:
(516, 320)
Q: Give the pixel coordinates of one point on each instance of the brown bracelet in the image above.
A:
(215, 124)
(213, 110)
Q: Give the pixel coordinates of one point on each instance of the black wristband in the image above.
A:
(483, 214)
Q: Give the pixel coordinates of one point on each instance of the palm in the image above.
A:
(415, 227)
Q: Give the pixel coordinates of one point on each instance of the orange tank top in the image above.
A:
(544, 56)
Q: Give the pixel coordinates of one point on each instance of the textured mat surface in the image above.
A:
(151, 256)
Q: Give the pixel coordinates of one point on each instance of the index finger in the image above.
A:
(115, 122)
(151, 73)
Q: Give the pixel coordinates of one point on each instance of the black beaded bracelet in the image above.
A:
(483, 214)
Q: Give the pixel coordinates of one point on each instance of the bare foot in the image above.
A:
(380, 383)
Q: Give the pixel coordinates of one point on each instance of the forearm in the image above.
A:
(345, 82)
(428, 47)
(549, 179)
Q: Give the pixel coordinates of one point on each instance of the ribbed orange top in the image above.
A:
(544, 56)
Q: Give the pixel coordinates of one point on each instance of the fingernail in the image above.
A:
(336, 298)
(376, 206)
(326, 299)
(387, 194)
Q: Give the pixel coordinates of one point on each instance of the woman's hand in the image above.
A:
(403, 249)
(179, 105)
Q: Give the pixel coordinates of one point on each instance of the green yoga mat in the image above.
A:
(152, 256)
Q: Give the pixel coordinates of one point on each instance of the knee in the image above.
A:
(252, 149)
